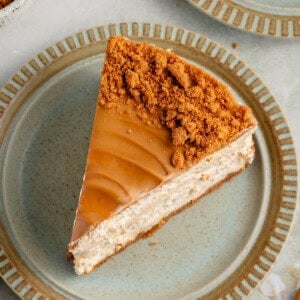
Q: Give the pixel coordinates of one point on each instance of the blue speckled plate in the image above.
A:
(222, 246)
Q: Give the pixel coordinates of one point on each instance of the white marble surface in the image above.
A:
(277, 62)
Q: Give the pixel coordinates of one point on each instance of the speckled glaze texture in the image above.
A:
(12, 10)
(221, 247)
(273, 18)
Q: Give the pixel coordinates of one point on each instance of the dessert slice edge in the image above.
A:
(157, 206)
(199, 137)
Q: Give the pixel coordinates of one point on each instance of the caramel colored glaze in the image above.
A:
(4, 3)
(126, 158)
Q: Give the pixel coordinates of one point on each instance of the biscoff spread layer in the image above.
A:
(199, 111)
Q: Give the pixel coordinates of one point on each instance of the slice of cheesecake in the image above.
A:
(165, 133)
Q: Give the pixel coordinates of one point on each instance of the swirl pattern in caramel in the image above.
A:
(126, 158)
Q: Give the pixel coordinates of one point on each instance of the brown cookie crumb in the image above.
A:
(179, 136)
(199, 111)
(235, 45)
(132, 79)
(151, 244)
(178, 71)
(178, 159)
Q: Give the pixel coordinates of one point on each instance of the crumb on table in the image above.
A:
(235, 45)
(151, 244)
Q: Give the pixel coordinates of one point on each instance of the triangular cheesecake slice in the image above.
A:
(165, 133)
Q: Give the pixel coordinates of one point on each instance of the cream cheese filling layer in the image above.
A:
(115, 233)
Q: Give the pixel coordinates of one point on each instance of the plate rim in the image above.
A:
(243, 18)
(12, 267)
